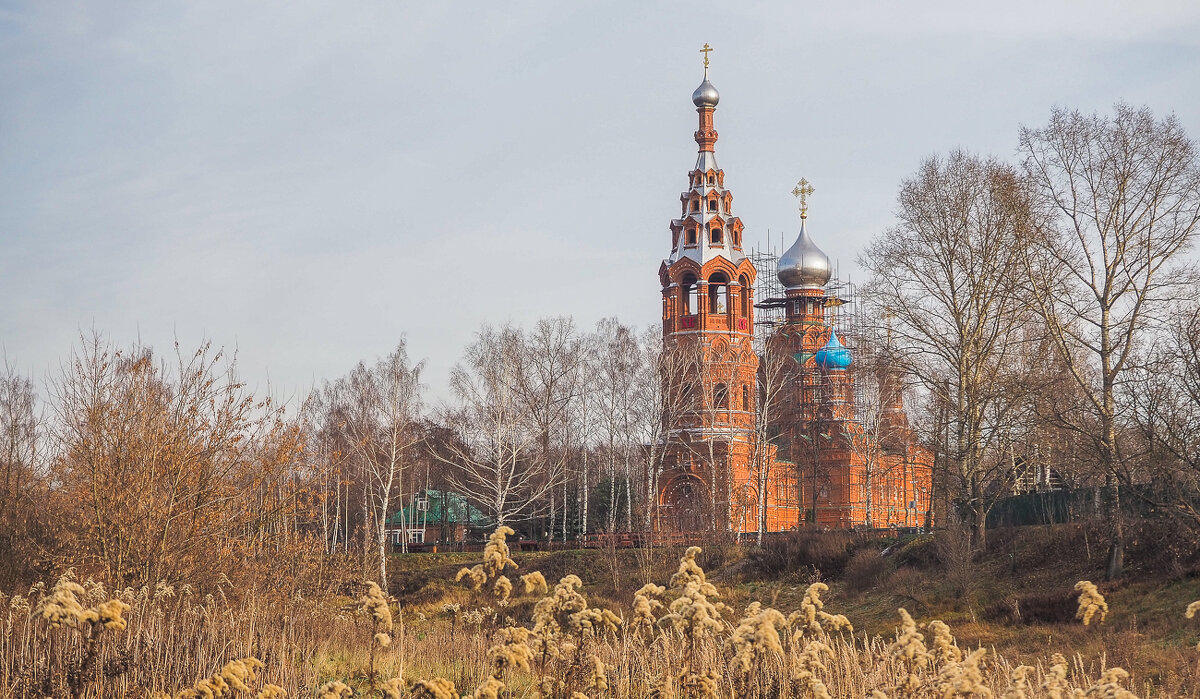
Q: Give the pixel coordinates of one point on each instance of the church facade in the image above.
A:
(768, 436)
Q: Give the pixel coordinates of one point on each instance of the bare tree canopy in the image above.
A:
(948, 279)
(495, 459)
(1118, 198)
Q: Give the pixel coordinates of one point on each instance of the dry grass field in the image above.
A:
(645, 623)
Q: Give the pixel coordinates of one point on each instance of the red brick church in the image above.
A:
(809, 458)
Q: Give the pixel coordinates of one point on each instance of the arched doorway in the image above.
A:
(685, 500)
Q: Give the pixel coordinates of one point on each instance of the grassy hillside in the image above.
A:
(1016, 597)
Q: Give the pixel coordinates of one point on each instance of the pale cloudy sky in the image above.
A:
(307, 182)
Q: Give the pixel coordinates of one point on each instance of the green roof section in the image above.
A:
(453, 506)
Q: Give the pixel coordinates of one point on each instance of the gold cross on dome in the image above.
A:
(705, 51)
(802, 191)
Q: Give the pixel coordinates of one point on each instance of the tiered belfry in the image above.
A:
(708, 323)
(814, 462)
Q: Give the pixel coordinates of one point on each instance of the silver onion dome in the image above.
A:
(706, 95)
(804, 266)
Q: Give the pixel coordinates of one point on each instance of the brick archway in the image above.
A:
(685, 504)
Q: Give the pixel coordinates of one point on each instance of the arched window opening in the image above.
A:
(721, 397)
(691, 236)
(695, 205)
(711, 179)
(745, 284)
(718, 293)
(715, 236)
(712, 204)
(688, 294)
(685, 395)
(737, 238)
(746, 397)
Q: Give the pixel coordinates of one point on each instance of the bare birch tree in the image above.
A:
(495, 456)
(777, 370)
(1121, 199)
(383, 408)
(618, 360)
(879, 429)
(660, 404)
(549, 380)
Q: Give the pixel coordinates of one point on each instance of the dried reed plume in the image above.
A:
(910, 653)
(375, 603)
(234, 678)
(809, 663)
(1055, 683)
(392, 689)
(811, 620)
(963, 678)
(1090, 602)
(535, 583)
(336, 690)
(945, 649)
(62, 608)
(757, 634)
(1109, 685)
(502, 588)
(490, 689)
(693, 613)
(645, 603)
(511, 651)
(598, 675)
(1018, 687)
(437, 688)
(495, 560)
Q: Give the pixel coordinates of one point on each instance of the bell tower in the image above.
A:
(708, 328)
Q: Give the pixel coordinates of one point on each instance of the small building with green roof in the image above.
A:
(437, 516)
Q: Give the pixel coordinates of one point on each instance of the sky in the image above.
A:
(307, 183)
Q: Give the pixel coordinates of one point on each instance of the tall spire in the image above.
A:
(705, 98)
(707, 228)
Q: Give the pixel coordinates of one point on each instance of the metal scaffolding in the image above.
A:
(844, 309)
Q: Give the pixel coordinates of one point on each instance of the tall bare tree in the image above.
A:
(549, 381)
(659, 404)
(20, 455)
(880, 429)
(618, 359)
(383, 410)
(495, 454)
(1166, 406)
(777, 370)
(949, 275)
(1120, 195)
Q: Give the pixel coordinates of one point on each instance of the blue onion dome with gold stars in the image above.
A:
(833, 356)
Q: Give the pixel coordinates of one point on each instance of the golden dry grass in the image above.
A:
(678, 640)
